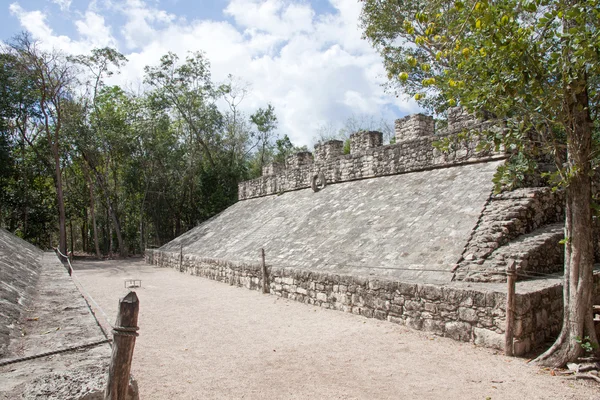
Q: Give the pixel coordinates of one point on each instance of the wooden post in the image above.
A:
(124, 334)
(181, 259)
(511, 275)
(265, 274)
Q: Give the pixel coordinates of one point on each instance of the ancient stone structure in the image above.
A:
(367, 159)
(41, 310)
(401, 232)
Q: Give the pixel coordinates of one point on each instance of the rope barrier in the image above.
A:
(126, 331)
(50, 353)
(88, 298)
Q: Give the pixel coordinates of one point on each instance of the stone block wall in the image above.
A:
(328, 150)
(272, 169)
(365, 140)
(408, 156)
(299, 159)
(19, 273)
(414, 126)
(472, 314)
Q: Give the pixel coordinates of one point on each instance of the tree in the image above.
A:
(103, 111)
(188, 90)
(265, 121)
(533, 64)
(52, 78)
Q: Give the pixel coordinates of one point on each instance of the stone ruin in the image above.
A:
(41, 311)
(401, 232)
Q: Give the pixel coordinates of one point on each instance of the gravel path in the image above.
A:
(201, 339)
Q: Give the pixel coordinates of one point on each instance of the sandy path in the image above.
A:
(202, 339)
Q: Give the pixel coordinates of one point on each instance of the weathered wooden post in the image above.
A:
(265, 274)
(181, 259)
(511, 275)
(124, 334)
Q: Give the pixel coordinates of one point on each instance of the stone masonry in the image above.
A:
(425, 244)
(367, 159)
(466, 312)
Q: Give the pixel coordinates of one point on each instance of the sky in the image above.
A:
(305, 57)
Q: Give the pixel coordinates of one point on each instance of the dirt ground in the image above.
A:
(201, 339)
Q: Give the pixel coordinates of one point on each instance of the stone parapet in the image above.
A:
(299, 159)
(272, 169)
(328, 150)
(365, 140)
(414, 126)
(368, 158)
(407, 156)
(471, 314)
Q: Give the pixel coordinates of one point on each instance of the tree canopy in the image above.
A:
(96, 168)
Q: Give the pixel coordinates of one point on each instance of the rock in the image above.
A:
(488, 338)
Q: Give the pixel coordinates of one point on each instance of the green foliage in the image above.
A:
(586, 344)
(515, 59)
(346, 148)
(150, 166)
(512, 174)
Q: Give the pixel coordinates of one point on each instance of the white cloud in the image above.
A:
(94, 30)
(314, 69)
(33, 21)
(91, 28)
(272, 16)
(63, 4)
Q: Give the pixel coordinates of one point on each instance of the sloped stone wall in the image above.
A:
(19, 272)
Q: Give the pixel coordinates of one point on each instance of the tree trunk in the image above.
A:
(579, 250)
(71, 238)
(112, 214)
(62, 219)
(122, 247)
(93, 212)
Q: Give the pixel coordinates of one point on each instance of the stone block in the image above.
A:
(301, 290)
(395, 320)
(379, 314)
(321, 296)
(458, 330)
(488, 338)
(434, 326)
(288, 281)
(414, 322)
(467, 314)
(411, 305)
(431, 292)
(299, 159)
(272, 169)
(396, 310)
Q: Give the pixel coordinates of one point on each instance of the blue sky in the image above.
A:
(306, 58)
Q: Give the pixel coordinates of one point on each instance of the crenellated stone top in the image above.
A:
(368, 156)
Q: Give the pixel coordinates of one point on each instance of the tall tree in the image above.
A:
(265, 121)
(533, 64)
(52, 77)
(99, 108)
(188, 90)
